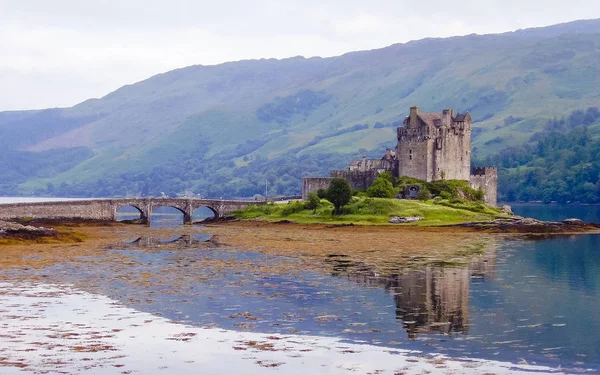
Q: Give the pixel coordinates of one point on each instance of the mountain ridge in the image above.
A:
(270, 108)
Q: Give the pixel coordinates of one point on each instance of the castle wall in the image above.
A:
(454, 156)
(364, 165)
(414, 153)
(487, 180)
(358, 180)
(313, 184)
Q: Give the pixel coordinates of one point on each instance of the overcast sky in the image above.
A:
(61, 52)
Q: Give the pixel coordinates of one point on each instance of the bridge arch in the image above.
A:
(127, 214)
(161, 207)
(204, 213)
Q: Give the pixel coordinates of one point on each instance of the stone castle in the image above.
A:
(431, 146)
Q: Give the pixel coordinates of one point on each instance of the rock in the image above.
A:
(573, 221)
(10, 229)
(404, 219)
(529, 221)
(507, 209)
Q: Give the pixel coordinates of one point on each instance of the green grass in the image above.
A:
(374, 211)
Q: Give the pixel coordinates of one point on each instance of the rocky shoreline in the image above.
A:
(519, 224)
(15, 230)
(500, 224)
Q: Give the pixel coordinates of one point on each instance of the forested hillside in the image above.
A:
(561, 165)
(223, 130)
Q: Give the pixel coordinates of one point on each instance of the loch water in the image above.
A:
(557, 212)
(522, 300)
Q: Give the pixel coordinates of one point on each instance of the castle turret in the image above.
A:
(435, 146)
(447, 116)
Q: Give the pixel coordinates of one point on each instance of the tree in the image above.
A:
(339, 194)
(312, 202)
(381, 188)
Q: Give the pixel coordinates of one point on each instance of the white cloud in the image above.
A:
(61, 52)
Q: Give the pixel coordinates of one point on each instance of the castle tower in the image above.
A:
(432, 146)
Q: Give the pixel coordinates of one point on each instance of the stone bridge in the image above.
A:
(106, 209)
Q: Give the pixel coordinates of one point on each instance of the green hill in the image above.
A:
(222, 130)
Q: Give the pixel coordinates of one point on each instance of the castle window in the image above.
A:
(410, 154)
(461, 158)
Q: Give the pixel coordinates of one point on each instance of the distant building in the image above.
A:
(431, 146)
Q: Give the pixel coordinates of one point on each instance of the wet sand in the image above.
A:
(382, 246)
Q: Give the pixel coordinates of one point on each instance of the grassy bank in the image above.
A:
(370, 211)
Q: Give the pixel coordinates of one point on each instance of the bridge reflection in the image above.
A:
(166, 215)
(184, 240)
(433, 299)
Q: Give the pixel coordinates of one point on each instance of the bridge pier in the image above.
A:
(187, 218)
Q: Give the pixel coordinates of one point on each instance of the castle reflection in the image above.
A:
(432, 299)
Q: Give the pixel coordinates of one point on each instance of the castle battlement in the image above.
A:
(482, 171)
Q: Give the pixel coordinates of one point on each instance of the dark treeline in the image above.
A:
(561, 167)
(282, 176)
(575, 119)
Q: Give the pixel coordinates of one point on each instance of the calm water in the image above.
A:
(533, 300)
(557, 212)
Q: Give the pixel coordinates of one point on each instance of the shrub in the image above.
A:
(445, 195)
(387, 176)
(405, 180)
(371, 206)
(313, 201)
(423, 194)
(479, 195)
(292, 208)
(381, 188)
(449, 189)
